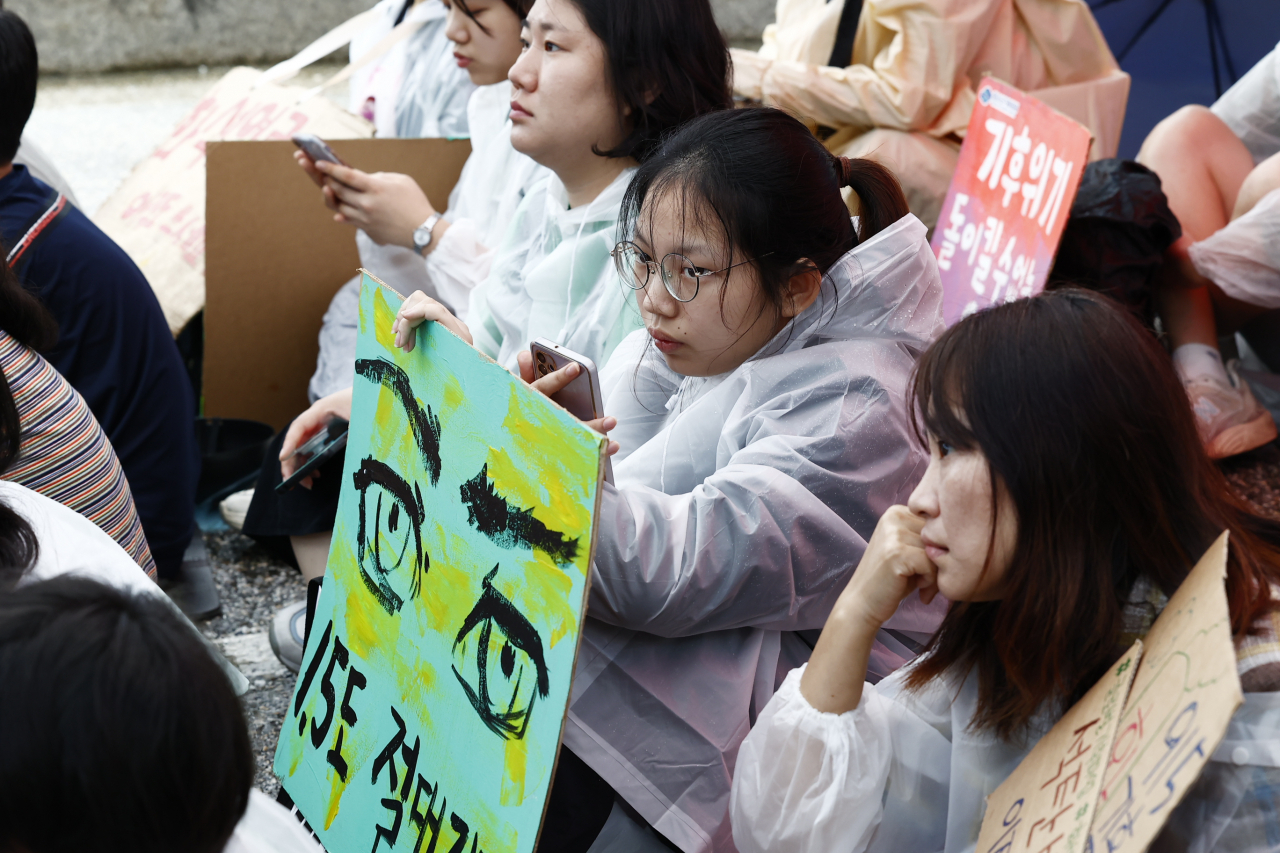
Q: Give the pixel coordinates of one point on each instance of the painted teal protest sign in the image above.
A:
(428, 711)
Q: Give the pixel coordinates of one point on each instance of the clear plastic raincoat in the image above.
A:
(415, 89)
(913, 73)
(1244, 257)
(547, 245)
(418, 92)
(741, 509)
(902, 771)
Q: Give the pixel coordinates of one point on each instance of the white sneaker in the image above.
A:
(1229, 418)
(235, 507)
(286, 635)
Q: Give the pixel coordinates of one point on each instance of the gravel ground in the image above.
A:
(253, 587)
(1256, 477)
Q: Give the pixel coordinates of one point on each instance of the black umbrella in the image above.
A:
(1182, 52)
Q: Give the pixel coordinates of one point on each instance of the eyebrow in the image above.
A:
(542, 26)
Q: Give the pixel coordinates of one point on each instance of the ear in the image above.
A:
(802, 290)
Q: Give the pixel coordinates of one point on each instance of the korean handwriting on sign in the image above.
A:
(426, 818)
(1007, 275)
(395, 766)
(1043, 834)
(1029, 180)
(1004, 170)
(1181, 744)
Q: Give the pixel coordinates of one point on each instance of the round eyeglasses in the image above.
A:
(681, 276)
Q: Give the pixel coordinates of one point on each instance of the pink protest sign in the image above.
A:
(1008, 202)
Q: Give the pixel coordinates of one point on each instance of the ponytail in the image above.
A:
(880, 199)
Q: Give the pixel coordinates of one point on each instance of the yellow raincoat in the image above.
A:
(907, 93)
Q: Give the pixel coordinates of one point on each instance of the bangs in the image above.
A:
(941, 389)
(684, 182)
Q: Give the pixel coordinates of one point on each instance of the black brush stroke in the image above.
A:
(425, 425)
(508, 526)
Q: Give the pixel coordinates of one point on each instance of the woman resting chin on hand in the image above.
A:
(1067, 497)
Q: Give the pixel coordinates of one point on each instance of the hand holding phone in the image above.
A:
(581, 397)
(317, 450)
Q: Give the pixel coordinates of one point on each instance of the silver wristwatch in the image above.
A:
(422, 234)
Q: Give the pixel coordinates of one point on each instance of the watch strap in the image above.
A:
(423, 233)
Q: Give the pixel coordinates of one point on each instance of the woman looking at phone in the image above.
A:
(389, 208)
(764, 429)
(1067, 496)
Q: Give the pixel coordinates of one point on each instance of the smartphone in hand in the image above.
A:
(316, 148)
(319, 449)
(581, 397)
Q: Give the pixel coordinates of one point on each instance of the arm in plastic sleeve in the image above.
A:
(1243, 258)
(459, 264)
(1251, 107)
(811, 782)
(918, 54)
(752, 545)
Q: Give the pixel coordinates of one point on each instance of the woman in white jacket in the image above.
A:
(1066, 498)
(484, 39)
(764, 429)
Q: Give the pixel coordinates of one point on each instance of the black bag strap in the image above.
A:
(842, 53)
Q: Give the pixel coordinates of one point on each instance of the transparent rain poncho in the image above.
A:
(1244, 257)
(743, 504)
(553, 277)
(415, 89)
(419, 92)
(494, 182)
(904, 771)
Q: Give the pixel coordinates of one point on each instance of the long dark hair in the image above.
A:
(19, 71)
(667, 62)
(30, 324)
(113, 704)
(520, 7)
(768, 183)
(1083, 422)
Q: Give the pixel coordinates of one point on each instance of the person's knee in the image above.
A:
(1265, 178)
(1187, 132)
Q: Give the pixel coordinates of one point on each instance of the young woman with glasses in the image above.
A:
(763, 426)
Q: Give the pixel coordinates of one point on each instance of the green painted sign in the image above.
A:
(428, 712)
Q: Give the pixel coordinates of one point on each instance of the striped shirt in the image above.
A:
(65, 455)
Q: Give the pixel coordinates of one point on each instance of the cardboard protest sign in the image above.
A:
(1102, 782)
(158, 214)
(429, 708)
(1018, 172)
(1184, 694)
(275, 258)
(1049, 799)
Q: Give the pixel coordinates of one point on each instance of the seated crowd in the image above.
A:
(884, 555)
